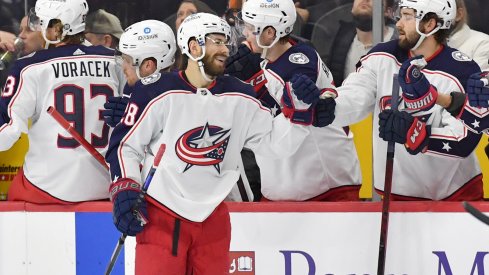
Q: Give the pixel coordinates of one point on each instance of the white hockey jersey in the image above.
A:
(204, 131)
(327, 159)
(370, 90)
(76, 80)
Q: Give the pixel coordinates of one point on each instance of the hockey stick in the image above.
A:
(76, 136)
(389, 165)
(144, 189)
(475, 212)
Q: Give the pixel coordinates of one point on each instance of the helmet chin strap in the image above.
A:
(423, 35)
(47, 41)
(265, 48)
(202, 71)
(139, 74)
(201, 65)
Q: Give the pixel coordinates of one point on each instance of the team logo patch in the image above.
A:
(203, 146)
(150, 79)
(416, 73)
(298, 58)
(242, 262)
(460, 56)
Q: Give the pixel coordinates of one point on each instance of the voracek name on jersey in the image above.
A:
(81, 68)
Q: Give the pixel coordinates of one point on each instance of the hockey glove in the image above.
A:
(417, 92)
(324, 112)
(403, 128)
(478, 90)
(114, 110)
(244, 64)
(299, 99)
(129, 210)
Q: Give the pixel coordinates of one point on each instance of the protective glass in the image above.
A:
(405, 14)
(33, 21)
(121, 58)
(241, 25)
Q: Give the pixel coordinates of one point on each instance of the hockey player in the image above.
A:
(145, 49)
(423, 28)
(76, 80)
(204, 119)
(329, 166)
(185, 111)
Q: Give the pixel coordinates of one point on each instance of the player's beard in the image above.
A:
(212, 66)
(409, 40)
(363, 22)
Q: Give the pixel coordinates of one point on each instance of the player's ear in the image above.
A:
(194, 48)
(270, 32)
(429, 25)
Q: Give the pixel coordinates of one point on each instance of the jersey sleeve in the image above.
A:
(476, 119)
(356, 95)
(17, 105)
(450, 137)
(274, 137)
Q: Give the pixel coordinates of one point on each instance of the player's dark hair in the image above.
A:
(284, 40)
(441, 35)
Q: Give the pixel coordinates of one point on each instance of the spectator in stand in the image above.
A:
(473, 43)
(188, 7)
(354, 39)
(103, 28)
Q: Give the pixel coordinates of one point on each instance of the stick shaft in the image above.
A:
(389, 167)
(76, 136)
(476, 213)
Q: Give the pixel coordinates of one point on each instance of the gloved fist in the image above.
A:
(324, 112)
(305, 89)
(299, 98)
(401, 127)
(114, 110)
(244, 64)
(129, 206)
(417, 92)
(478, 90)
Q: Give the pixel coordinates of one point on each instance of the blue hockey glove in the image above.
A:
(244, 64)
(417, 92)
(129, 206)
(403, 128)
(478, 90)
(324, 113)
(114, 110)
(299, 99)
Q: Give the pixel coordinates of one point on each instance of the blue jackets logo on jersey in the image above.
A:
(203, 146)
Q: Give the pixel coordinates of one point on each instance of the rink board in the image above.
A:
(267, 239)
